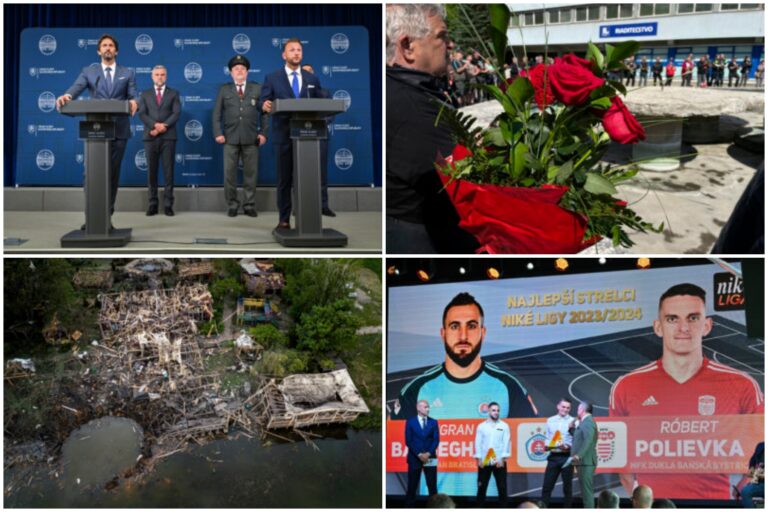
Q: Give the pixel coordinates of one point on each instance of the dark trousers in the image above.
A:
(408, 237)
(157, 149)
(284, 164)
(118, 150)
(324, 172)
(414, 475)
(554, 469)
(484, 476)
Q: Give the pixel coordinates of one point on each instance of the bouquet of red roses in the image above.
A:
(534, 181)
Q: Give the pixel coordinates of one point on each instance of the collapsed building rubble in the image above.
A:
(94, 278)
(195, 269)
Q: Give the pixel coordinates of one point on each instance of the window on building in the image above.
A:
(593, 12)
(646, 9)
(750, 6)
(528, 19)
(611, 11)
(661, 9)
(625, 10)
(729, 7)
(703, 7)
(684, 8)
(565, 15)
(581, 14)
(538, 18)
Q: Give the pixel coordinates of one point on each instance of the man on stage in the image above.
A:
(422, 438)
(585, 452)
(492, 449)
(286, 83)
(108, 81)
(244, 129)
(559, 442)
(676, 384)
(159, 109)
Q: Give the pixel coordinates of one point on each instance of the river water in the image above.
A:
(234, 473)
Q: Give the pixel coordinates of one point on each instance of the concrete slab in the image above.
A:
(161, 234)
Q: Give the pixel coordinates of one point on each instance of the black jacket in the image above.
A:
(414, 190)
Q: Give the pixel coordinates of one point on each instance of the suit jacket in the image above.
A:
(277, 87)
(585, 442)
(242, 120)
(123, 88)
(420, 440)
(167, 112)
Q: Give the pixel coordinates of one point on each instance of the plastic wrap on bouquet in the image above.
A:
(515, 220)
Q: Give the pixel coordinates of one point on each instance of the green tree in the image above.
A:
(460, 30)
(309, 283)
(268, 336)
(328, 327)
(226, 289)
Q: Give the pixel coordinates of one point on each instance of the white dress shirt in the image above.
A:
(289, 72)
(492, 434)
(560, 423)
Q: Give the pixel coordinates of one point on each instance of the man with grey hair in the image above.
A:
(159, 110)
(607, 499)
(642, 497)
(420, 218)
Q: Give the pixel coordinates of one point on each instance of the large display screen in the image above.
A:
(677, 389)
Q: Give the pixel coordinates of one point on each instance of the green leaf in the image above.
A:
(518, 159)
(552, 172)
(597, 184)
(601, 102)
(595, 55)
(506, 132)
(621, 52)
(520, 91)
(502, 98)
(618, 86)
(609, 52)
(533, 162)
(564, 172)
(495, 137)
(499, 15)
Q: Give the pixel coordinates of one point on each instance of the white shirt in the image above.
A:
(492, 434)
(112, 68)
(289, 72)
(162, 90)
(560, 423)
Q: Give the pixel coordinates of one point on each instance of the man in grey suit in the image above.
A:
(108, 81)
(159, 109)
(584, 452)
(244, 129)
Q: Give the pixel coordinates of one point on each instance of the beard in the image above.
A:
(466, 359)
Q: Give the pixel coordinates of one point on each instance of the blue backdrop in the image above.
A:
(346, 58)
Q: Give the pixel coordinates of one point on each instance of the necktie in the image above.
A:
(159, 96)
(422, 423)
(109, 79)
(295, 84)
(240, 90)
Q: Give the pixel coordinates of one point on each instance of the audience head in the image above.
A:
(608, 499)
(642, 497)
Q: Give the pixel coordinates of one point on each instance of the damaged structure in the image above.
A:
(309, 399)
(195, 269)
(260, 277)
(94, 278)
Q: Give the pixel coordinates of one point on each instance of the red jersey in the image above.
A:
(715, 389)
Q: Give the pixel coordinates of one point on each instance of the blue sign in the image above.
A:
(629, 30)
(48, 149)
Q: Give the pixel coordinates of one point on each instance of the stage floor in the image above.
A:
(42, 230)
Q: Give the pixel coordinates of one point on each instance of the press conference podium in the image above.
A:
(98, 132)
(307, 128)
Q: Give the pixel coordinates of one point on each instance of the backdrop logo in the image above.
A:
(82, 43)
(341, 94)
(326, 70)
(606, 444)
(706, 405)
(339, 43)
(46, 102)
(344, 159)
(241, 43)
(33, 72)
(729, 292)
(193, 130)
(535, 446)
(144, 44)
(47, 45)
(193, 72)
(276, 42)
(32, 129)
(178, 43)
(45, 159)
(79, 158)
(140, 160)
(482, 409)
(179, 158)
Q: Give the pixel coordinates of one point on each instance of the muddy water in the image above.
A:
(100, 450)
(345, 472)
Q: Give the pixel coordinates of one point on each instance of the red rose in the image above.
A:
(542, 84)
(572, 80)
(620, 124)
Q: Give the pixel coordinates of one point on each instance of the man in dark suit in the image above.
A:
(244, 130)
(422, 438)
(159, 109)
(108, 81)
(584, 452)
(286, 83)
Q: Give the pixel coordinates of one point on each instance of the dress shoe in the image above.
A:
(284, 225)
(169, 211)
(328, 212)
(152, 211)
(250, 212)
(232, 212)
